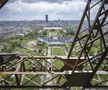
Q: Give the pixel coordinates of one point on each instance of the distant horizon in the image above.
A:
(38, 20)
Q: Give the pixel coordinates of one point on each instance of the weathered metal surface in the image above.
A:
(2, 3)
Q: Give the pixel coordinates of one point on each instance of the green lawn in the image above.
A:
(57, 51)
(53, 33)
(59, 64)
(26, 51)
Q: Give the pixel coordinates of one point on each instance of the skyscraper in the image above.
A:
(46, 18)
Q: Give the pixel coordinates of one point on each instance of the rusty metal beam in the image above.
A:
(81, 22)
(2, 3)
(97, 66)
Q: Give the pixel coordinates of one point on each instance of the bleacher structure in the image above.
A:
(84, 70)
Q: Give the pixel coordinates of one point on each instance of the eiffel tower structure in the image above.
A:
(88, 68)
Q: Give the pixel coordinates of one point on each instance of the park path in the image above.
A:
(48, 77)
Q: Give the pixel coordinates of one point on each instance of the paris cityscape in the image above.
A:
(53, 45)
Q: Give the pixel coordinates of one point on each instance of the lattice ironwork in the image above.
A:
(2, 3)
(32, 71)
(86, 40)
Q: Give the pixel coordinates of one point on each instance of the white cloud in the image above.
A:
(22, 10)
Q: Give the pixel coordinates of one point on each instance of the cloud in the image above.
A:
(49, 1)
(36, 9)
(36, 1)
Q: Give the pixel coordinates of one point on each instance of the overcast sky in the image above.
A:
(36, 9)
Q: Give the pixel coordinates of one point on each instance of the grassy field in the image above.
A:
(57, 51)
(59, 64)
